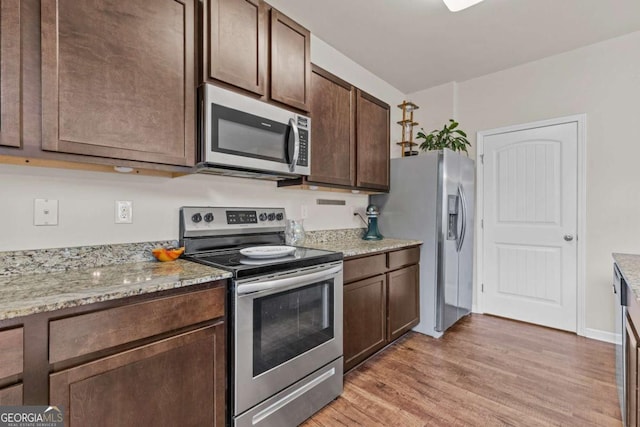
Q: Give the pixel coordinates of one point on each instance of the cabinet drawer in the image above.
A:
(11, 348)
(359, 268)
(403, 257)
(88, 333)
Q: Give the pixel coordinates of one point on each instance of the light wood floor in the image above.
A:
(486, 371)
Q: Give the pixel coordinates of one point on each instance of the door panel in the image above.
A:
(334, 141)
(10, 91)
(530, 205)
(467, 246)
(237, 43)
(290, 62)
(452, 227)
(175, 381)
(631, 373)
(11, 396)
(403, 294)
(372, 130)
(365, 318)
(118, 79)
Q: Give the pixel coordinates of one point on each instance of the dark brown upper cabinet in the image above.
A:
(372, 128)
(349, 138)
(10, 93)
(250, 46)
(118, 79)
(290, 62)
(333, 151)
(237, 43)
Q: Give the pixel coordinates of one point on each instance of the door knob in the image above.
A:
(568, 237)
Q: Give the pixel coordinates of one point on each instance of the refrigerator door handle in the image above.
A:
(463, 231)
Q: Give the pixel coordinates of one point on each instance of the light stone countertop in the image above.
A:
(629, 265)
(354, 246)
(26, 294)
(37, 281)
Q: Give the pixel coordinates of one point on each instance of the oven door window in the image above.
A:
(290, 323)
(240, 133)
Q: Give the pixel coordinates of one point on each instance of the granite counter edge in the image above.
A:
(109, 293)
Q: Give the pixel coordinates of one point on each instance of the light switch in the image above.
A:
(45, 212)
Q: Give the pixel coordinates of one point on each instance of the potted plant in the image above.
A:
(448, 137)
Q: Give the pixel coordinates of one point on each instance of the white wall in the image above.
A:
(87, 198)
(437, 106)
(603, 81)
(333, 61)
(86, 205)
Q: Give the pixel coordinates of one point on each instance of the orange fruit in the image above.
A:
(164, 254)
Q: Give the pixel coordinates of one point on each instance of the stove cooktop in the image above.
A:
(242, 266)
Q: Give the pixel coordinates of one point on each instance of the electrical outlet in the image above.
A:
(124, 212)
(45, 212)
(303, 212)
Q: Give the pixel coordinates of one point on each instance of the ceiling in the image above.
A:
(418, 44)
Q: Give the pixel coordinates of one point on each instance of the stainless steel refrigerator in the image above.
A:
(432, 199)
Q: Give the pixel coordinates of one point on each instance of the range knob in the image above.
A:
(271, 216)
(196, 218)
(208, 217)
(263, 216)
(279, 216)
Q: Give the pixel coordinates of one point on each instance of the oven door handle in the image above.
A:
(286, 282)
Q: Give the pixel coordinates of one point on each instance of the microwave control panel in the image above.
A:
(304, 129)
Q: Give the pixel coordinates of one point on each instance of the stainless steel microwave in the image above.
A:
(243, 136)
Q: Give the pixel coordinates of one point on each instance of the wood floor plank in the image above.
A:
(485, 371)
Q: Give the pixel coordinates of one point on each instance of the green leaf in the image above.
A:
(447, 137)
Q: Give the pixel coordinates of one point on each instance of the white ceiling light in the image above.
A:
(457, 5)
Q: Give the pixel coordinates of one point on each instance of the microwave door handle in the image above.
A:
(296, 144)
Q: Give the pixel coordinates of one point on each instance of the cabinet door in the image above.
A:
(11, 365)
(237, 43)
(179, 381)
(118, 79)
(372, 129)
(631, 374)
(365, 319)
(403, 293)
(10, 99)
(333, 151)
(290, 62)
(11, 396)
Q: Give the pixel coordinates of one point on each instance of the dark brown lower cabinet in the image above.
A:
(166, 383)
(403, 293)
(11, 396)
(11, 366)
(147, 360)
(631, 374)
(364, 319)
(381, 301)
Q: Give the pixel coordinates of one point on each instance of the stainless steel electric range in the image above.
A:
(285, 311)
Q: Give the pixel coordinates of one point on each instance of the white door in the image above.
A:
(530, 224)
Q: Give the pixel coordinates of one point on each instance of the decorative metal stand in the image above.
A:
(407, 124)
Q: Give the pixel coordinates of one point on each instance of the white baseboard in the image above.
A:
(474, 309)
(599, 335)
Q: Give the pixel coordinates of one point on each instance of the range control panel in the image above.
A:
(204, 221)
